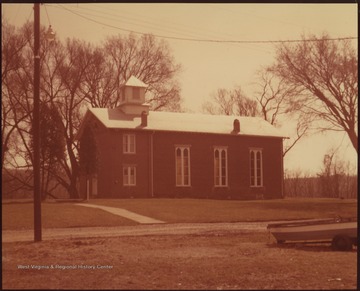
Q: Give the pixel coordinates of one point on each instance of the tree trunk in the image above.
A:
(73, 191)
(354, 139)
(74, 174)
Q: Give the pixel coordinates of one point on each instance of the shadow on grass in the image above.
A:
(23, 201)
(78, 200)
(27, 201)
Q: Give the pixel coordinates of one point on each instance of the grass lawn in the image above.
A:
(216, 261)
(54, 215)
(207, 210)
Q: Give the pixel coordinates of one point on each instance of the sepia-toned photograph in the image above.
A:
(179, 146)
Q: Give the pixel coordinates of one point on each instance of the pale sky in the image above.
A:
(207, 66)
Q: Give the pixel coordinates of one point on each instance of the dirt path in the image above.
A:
(141, 230)
(138, 230)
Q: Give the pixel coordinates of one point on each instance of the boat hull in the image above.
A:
(314, 231)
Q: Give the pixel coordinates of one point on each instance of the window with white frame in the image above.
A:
(129, 144)
(129, 175)
(220, 167)
(256, 172)
(182, 165)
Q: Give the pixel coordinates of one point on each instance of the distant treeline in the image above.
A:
(13, 186)
(334, 186)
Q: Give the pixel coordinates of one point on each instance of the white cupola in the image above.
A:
(132, 98)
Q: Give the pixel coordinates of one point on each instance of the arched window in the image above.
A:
(256, 171)
(220, 167)
(182, 161)
(252, 168)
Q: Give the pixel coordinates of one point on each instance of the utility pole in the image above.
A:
(36, 126)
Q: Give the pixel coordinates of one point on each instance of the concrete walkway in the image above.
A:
(124, 213)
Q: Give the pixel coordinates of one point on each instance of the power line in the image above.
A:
(31, 12)
(130, 21)
(168, 28)
(47, 15)
(212, 40)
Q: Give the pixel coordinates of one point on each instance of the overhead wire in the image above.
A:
(171, 30)
(183, 27)
(261, 17)
(210, 40)
(248, 44)
(17, 12)
(31, 13)
(160, 24)
(141, 23)
(129, 21)
(47, 14)
(168, 22)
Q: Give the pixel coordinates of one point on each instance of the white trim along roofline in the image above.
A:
(185, 122)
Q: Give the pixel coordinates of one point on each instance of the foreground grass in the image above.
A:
(55, 215)
(213, 262)
(207, 210)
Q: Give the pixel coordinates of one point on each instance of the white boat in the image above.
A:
(342, 232)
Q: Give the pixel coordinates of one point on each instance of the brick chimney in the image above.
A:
(144, 116)
(236, 126)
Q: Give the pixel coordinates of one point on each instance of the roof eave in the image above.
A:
(140, 128)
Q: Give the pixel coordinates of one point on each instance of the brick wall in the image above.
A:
(112, 159)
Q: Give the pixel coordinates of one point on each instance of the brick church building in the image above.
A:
(147, 154)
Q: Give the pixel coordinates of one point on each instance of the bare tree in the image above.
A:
(17, 88)
(222, 103)
(230, 102)
(275, 97)
(73, 69)
(302, 129)
(13, 44)
(330, 175)
(73, 75)
(337, 178)
(100, 88)
(17, 93)
(349, 185)
(52, 148)
(147, 59)
(326, 72)
(88, 155)
(292, 182)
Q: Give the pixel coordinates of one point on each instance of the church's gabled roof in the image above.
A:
(186, 122)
